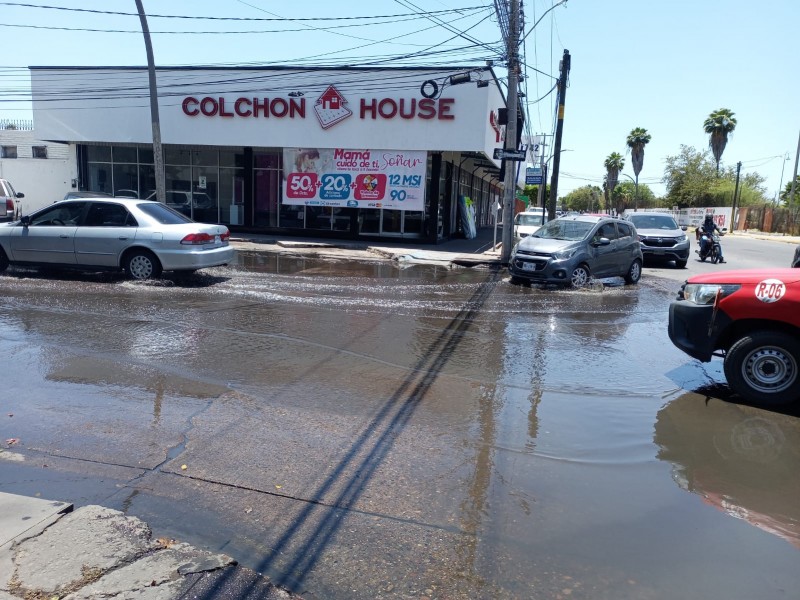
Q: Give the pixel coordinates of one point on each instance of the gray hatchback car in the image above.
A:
(573, 250)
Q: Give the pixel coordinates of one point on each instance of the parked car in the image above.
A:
(572, 250)
(141, 237)
(661, 237)
(8, 200)
(751, 318)
(525, 223)
(796, 259)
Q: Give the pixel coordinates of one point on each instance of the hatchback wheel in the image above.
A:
(580, 276)
(141, 264)
(634, 273)
(763, 367)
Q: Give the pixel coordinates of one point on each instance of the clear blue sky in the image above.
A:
(661, 65)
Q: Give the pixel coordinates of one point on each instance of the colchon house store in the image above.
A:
(357, 152)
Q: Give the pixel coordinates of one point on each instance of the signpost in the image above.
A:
(518, 155)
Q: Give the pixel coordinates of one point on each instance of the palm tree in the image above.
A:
(637, 139)
(719, 125)
(613, 165)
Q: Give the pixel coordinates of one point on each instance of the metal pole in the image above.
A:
(794, 179)
(780, 185)
(510, 190)
(158, 157)
(562, 92)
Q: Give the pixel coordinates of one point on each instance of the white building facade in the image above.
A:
(359, 152)
(43, 171)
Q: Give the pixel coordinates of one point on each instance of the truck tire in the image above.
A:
(762, 367)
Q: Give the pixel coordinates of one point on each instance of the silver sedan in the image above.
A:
(141, 237)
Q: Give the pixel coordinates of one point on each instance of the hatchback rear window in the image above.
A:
(163, 214)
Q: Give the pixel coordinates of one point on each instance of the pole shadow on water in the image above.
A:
(376, 441)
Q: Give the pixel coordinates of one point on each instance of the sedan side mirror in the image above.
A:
(26, 220)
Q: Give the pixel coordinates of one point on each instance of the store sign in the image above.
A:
(330, 108)
(354, 178)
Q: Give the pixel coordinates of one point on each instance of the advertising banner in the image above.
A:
(393, 179)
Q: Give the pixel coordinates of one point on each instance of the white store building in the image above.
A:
(339, 152)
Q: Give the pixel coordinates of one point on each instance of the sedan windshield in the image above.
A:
(654, 222)
(564, 230)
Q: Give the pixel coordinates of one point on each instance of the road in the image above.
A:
(378, 430)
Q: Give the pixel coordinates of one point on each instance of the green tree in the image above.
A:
(719, 126)
(787, 191)
(624, 196)
(691, 180)
(613, 164)
(586, 198)
(532, 192)
(638, 138)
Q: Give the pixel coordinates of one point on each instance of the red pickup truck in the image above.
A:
(751, 318)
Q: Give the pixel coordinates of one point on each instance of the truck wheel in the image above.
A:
(763, 368)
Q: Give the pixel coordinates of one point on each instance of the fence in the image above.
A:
(18, 124)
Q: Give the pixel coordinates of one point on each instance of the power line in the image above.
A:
(201, 18)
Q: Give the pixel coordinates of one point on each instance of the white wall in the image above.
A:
(42, 180)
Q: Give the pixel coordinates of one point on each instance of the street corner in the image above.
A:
(97, 551)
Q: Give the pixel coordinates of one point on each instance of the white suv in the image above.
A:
(8, 197)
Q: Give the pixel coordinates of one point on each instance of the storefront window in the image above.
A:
(266, 189)
(98, 153)
(177, 155)
(126, 180)
(100, 177)
(124, 154)
(231, 196)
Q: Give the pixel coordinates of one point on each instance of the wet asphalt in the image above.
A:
(375, 429)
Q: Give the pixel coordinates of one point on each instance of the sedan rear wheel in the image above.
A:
(581, 276)
(3, 260)
(141, 264)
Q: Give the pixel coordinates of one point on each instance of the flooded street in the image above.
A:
(363, 430)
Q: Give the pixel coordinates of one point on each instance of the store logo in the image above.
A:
(330, 108)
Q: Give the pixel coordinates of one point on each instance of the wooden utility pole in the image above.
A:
(735, 194)
(562, 92)
(158, 156)
(510, 184)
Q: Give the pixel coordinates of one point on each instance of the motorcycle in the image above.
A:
(713, 248)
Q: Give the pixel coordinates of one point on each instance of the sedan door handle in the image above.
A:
(123, 237)
(64, 236)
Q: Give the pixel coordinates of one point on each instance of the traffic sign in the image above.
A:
(533, 176)
(500, 154)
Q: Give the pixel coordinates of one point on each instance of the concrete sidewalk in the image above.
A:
(480, 250)
(48, 552)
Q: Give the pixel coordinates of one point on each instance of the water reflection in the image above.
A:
(738, 459)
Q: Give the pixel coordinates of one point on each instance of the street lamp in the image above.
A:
(780, 186)
(635, 193)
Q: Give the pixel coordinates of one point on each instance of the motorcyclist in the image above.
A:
(708, 228)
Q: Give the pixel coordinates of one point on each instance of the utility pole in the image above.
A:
(735, 194)
(794, 178)
(158, 156)
(562, 92)
(510, 189)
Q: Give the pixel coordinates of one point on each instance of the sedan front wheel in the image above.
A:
(141, 264)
